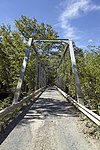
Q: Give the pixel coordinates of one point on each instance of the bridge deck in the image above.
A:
(49, 124)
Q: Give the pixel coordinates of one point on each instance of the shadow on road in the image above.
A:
(40, 109)
(44, 108)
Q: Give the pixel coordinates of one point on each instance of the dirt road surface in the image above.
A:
(49, 124)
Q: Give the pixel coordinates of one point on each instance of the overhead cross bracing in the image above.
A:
(52, 40)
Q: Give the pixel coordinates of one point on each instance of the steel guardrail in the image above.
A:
(87, 112)
(9, 110)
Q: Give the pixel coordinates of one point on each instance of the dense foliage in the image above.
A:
(12, 50)
(88, 64)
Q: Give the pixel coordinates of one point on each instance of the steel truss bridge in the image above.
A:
(7, 113)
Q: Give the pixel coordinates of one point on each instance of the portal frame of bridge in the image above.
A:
(68, 46)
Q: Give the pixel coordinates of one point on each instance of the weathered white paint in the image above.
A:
(20, 81)
(76, 77)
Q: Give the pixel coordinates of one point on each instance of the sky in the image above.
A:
(78, 20)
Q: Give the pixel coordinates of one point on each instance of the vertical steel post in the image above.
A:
(42, 76)
(76, 77)
(37, 75)
(57, 78)
(21, 78)
(45, 78)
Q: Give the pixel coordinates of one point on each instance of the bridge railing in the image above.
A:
(8, 112)
(88, 113)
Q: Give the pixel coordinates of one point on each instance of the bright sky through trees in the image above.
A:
(75, 19)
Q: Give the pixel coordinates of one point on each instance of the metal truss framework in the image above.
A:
(68, 46)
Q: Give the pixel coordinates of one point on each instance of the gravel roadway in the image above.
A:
(50, 124)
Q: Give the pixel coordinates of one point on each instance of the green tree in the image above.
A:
(12, 49)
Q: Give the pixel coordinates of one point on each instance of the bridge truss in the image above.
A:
(17, 105)
(41, 70)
